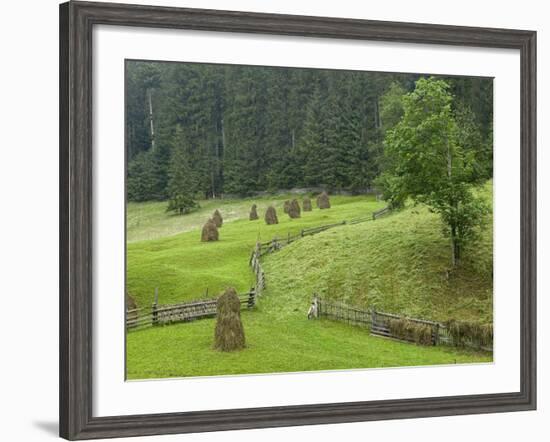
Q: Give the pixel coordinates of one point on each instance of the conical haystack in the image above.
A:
(209, 231)
(229, 333)
(306, 205)
(294, 209)
(271, 216)
(217, 217)
(286, 206)
(323, 201)
(253, 213)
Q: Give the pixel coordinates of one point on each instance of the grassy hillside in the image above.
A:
(400, 264)
(183, 267)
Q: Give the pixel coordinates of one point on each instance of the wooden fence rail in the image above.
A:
(380, 324)
(263, 248)
(381, 212)
(181, 312)
(189, 311)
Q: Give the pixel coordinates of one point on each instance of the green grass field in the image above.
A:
(183, 267)
(399, 263)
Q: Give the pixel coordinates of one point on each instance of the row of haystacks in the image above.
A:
(291, 207)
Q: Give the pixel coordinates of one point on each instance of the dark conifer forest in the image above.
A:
(220, 129)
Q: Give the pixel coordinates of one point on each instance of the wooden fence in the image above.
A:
(380, 324)
(263, 248)
(381, 212)
(257, 269)
(181, 312)
(206, 308)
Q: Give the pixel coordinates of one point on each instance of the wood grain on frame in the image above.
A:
(76, 243)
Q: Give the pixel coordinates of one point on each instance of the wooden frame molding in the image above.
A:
(76, 243)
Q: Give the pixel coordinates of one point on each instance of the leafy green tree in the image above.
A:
(470, 137)
(181, 186)
(428, 164)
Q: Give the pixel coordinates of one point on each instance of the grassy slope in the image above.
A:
(397, 264)
(279, 338)
(183, 267)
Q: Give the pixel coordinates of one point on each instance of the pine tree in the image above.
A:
(181, 187)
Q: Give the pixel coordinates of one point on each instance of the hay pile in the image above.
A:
(210, 231)
(130, 302)
(294, 209)
(306, 204)
(131, 312)
(323, 201)
(286, 206)
(271, 216)
(464, 332)
(253, 214)
(411, 331)
(217, 217)
(229, 333)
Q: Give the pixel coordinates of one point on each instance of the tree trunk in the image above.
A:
(223, 137)
(455, 247)
(150, 94)
(453, 250)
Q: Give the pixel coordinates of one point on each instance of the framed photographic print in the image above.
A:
(271, 220)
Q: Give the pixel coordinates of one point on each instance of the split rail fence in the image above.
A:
(263, 248)
(181, 312)
(206, 308)
(379, 323)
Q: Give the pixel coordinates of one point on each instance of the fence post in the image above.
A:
(302, 233)
(318, 305)
(288, 238)
(436, 335)
(251, 298)
(154, 311)
(373, 319)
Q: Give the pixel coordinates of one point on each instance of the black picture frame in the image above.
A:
(77, 20)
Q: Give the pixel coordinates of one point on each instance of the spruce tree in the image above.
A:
(181, 186)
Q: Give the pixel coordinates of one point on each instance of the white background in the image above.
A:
(113, 396)
(28, 182)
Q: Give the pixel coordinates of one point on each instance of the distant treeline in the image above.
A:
(239, 129)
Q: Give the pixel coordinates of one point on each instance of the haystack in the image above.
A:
(253, 213)
(271, 216)
(130, 302)
(229, 334)
(294, 209)
(209, 231)
(323, 201)
(306, 204)
(286, 206)
(131, 311)
(217, 217)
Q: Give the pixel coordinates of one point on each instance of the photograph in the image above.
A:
(284, 219)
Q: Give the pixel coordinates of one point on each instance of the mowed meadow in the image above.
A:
(399, 263)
